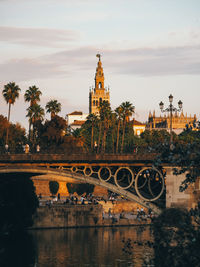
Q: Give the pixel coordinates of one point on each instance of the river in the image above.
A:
(87, 247)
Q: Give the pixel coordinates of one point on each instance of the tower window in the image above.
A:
(100, 100)
(100, 85)
(96, 102)
(93, 102)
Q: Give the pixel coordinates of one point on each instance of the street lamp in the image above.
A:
(171, 109)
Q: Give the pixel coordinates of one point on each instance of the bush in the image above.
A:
(80, 188)
(53, 187)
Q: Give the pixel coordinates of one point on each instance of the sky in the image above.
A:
(150, 49)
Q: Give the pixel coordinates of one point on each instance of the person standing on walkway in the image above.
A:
(26, 148)
(37, 148)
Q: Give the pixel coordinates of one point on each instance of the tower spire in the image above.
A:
(99, 93)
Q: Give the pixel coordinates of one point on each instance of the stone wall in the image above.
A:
(61, 216)
(67, 216)
(174, 198)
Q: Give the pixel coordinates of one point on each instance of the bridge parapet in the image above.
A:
(89, 158)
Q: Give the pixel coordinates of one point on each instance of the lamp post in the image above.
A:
(171, 109)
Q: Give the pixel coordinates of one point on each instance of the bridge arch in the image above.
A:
(60, 174)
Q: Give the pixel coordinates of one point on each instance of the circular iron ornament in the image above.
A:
(158, 178)
(88, 171)
(104, 174)
(126, 174)
(73, 169)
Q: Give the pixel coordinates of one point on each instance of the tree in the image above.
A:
(16, 138)
(105, 117)
(53, 107)
(52, 132)
(10, 94)
(53, 187)
(177, 242)
(80, 188)
(32, 95)
(35, 114)
(92, 119)
(118, 112)
(127, 111)
(185, 157)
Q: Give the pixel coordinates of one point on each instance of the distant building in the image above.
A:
(76, 124)
(179, 122)
(99, 93)
(76, 119)
(138, 127)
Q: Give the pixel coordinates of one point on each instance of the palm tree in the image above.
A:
(35, 113)
(32, 95)
(53, 107)
(127, 111)
(92, 119)
(118, 112)
(105, 117)
(10, 94)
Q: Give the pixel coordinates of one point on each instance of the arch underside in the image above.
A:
(123, 180)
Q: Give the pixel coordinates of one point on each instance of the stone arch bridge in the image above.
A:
(129, 175)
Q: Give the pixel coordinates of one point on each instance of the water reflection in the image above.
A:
(91, 247)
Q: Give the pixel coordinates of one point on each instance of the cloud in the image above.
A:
(37, 36)
(137, 61)
(27, 69)
(147, 61)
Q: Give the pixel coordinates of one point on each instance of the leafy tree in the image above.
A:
(16, 138)
(80, 188)
(71, 188)
(10, 94)
(53, 107)
(53, 187)
(51, 133)
(155, 139)
(177, 242)
(185, 157)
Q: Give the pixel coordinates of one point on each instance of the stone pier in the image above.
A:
(174, 198)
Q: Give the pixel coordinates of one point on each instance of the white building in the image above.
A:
(76, 119)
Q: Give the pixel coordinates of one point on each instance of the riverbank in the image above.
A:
(75, 216)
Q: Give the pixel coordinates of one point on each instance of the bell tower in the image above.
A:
(99, 93)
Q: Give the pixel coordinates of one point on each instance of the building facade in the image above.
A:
(138, 127)
(99, 93)
(179, 122)
(76, 119)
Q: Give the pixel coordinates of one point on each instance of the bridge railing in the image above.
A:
(139, 150)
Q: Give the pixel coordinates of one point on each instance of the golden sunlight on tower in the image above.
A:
(99, 93)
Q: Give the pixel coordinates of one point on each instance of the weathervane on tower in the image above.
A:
(99, 56)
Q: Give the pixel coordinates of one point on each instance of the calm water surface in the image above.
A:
(81, 247)
(91, 247)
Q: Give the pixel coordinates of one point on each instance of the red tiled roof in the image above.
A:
(76, 113)
(77, 123)
(134, 122)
